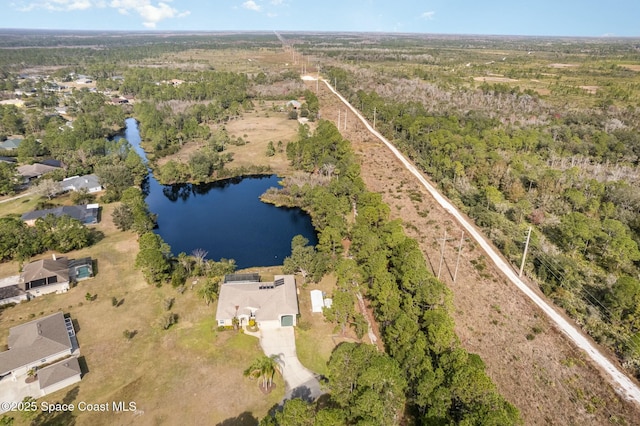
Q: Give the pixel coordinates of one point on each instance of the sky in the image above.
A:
(588, 18)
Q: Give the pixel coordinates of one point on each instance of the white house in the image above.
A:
(273, 304)
(75, 183)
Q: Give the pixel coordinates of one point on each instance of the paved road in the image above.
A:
(301, 383)
(623, 384)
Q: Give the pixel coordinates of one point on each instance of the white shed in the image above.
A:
(317, 301)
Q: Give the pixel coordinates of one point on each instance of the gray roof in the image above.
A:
(83, 213)
(11, 291)
(45, 268)
(11, 144)
(266, 300)
(34, 170)
(76, 183)
(58, 372)
(34, 341)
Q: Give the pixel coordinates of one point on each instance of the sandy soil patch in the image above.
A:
(562, 65)
(495, 79)
(592, 90)
(543, 375)
(631, 67)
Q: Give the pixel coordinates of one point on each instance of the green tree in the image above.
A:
(8, 178)
(123, 217)
(153, 258)
(302, 259)
(209, 291)
(369, 383)
(28, 150)
(263, 369)
(271, 150)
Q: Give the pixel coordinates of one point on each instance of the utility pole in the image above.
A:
(524, 255)
(455, 273)
(444, 239)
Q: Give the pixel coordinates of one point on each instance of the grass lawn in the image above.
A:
(19, 205)
(190, 373)
(315, 337)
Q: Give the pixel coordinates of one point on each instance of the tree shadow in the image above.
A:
(302, 392)
(120, 303)
(244, 419)
(66, 418)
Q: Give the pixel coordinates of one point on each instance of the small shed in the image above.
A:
(317, 301)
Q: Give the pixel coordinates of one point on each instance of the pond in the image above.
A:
(226, 218)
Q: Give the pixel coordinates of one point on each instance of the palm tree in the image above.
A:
(264, 368)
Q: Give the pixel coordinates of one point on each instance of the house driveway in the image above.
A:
(281, 341)
(16, 391)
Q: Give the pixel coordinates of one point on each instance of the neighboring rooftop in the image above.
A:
(35, 340)
(11, 144)
(46, 268)
(35, 170)
(86, 214)
(75, 183)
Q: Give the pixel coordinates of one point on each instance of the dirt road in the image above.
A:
(531, 358)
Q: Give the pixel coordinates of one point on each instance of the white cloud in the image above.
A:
(272, 15)
(57, 5)
(150, 11)
(428, 15)
(251, 5)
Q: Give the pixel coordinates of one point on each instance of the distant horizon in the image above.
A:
(544, 18)
(245, 31)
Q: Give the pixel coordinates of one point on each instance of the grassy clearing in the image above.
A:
(260, 127)
(19, 205)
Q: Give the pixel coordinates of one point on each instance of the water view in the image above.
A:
(227, 218)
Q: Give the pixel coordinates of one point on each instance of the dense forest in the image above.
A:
(424, 364)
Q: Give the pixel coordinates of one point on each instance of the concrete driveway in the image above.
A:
(16, 391)
(301, 383)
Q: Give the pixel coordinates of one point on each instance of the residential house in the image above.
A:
(76, 183)
(45, 276)
(36, 343)
(270, 304)
(11, 144)
(7, 159)
(87, 214)
(34, 171)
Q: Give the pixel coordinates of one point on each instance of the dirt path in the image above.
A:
(532, 363)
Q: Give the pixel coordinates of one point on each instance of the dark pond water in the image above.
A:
(227, 218)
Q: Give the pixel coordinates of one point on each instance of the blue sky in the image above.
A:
(514, 17)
